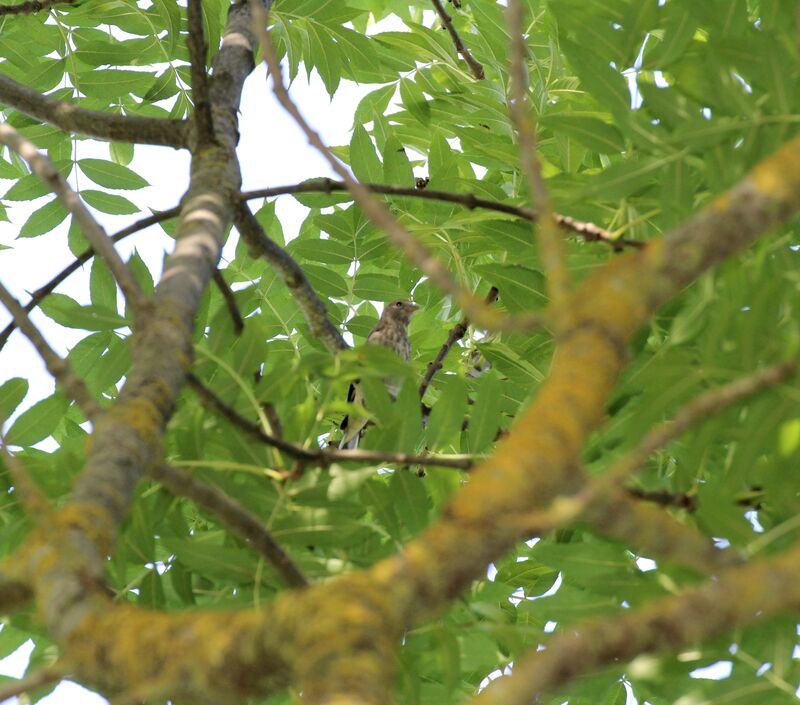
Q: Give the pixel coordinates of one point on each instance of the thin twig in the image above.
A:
(710, 402)
(233, 515)
(45, 676)
(588, 231)
(56, 366)
(568, 508)
(551, 246)
(682, 500)
(198, 49)
(456, 334)
(476, 69)
(230, 301)
(314, 309)
(28, 8)
(95, 234)
(72, 118)
(44, 291)
(319, 456)
(482, 315)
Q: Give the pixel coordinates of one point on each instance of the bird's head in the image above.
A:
(399, 311)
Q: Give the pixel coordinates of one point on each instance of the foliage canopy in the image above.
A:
(645, 113)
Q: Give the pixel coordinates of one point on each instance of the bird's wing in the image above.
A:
(352, 427)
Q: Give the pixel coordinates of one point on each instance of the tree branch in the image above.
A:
(475, 68)
(319, 456)
(234, 516)
(456, 334)
(551, 246)
(93, 123)
(44, 291)
(101, 243)
(198, 48)
(35, 680)
(230, 301)
(415, 251)
(588, 231)
(28, 8)
(73, 385)
(692, 616)
(313, 308)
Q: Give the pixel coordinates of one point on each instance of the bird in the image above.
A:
(391, 331)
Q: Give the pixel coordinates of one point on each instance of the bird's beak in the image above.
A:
(410, 308)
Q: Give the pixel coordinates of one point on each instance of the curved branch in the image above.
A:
(456, 334)
(233, 515)
(322, 457)
(551, 250)
(95, 234)
(411, 247)
(61, 370)
(588, 231)
(44, 291)
(671, 623)
(475, 68)
(314, 310)
(93, 123)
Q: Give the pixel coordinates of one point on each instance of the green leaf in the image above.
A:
(102, 287)
(38, 422)
(363, 159)
(111, 175)
(591, 132)
(43, 220)
(233, 565)
(68, 312)
(377, 287)
(521, 288)
(447, 414)
(598, 77)
(485, 417)
(109, 202)
(114, 83)
(12, 392)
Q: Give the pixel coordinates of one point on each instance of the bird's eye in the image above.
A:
(398, 303)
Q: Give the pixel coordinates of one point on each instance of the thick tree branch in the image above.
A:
(550, 244)
(475, 68)
(73, 385)
(313, 308)
(93, 123)
(35, 680)
(97, 237)
(588, 231)
(456, 334)
(536, 461)
(198, 48)
(482, 315)
(44, 291)
(671, 623)
(233, 515)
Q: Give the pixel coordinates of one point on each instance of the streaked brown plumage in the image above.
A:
(391, 331)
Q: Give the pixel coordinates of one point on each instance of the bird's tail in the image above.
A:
(349, 439)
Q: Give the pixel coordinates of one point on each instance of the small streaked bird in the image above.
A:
(391, 331)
